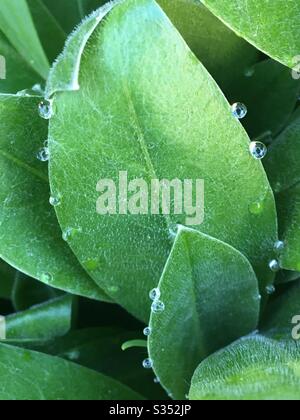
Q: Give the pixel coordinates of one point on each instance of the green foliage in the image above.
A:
(147, 87)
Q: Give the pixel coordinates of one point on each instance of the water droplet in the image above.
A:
(274, 266)
(147, 364)
(256, 207)
(54, 201)
(249, 72)
(156, 380)
(69, 233)
(279, 246)
(157, 306)
(46, 278)
(43, 154)
(147, 331)
(258, 150)
(46, 109)
(239, 110)
(270, 289)
(46, 143)
(154, 294)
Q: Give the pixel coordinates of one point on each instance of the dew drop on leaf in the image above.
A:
(54, 201)
(157, 306)
(147, 363)
(154, 294)
(279, 246)
(45, 109)
(270, 289)
(147, 331)
(43, 154)
(258, 150)
(69, 233)
(239, 110)
(274, 266)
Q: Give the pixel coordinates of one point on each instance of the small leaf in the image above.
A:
(41, 322)
(211, 298)
(16, 23)
(30, 238)
(134, 343)
(177, 125)
(34, 376)
(253, 368)
(272, 26)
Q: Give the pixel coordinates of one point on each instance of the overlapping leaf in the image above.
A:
(211, 298)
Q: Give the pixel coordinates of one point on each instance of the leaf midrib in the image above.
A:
(24, 165)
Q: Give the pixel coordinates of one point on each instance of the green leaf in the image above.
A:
(100, 349)
(19, 75)
(34, 376)
(16, 23)
(281, 311)
(177, 125)
(7, 277)
(285, 276)
(28, 292)
(50, 32)
(253, 368)
(270, 93)
(271, 26)
(225, 55)
(211, 298)
(134, 343)
(30, 238)
(41, 322)
(282, 166)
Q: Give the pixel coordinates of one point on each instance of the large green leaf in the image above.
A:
(34, 376)
(17, 24)
(177, 125)
(225, 55)
(272, 26)
(282, 166)
(51, 34)
(211, 298)
(270, 93)
(19, 75)
(41, 322)
(30, 238)
(253, 368)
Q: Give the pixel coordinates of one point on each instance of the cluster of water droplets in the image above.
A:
(157, 305)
